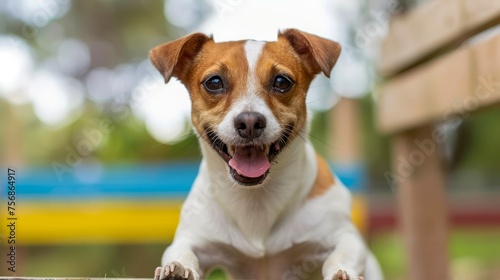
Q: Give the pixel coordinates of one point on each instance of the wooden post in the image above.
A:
(345, 134)
(344, 131)
(12, 151)
(418, 165)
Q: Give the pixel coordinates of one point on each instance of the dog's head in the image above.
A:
(248, 97)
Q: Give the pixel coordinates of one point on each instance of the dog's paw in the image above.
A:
(174, 271)
(342, 275)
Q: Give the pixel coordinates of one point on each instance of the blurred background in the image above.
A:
(104, 153)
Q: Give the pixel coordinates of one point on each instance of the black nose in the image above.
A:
(250, 125)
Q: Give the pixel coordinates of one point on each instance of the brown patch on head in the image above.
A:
(225, 60)
(194, 59)
(289, 108)
(324, 179)
(299, 56)
(176, 58)
(318, 54)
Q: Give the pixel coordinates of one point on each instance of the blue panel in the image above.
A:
(353, 176)
(168, 180)
(145, 180)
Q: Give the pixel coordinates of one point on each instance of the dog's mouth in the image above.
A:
(249, 164)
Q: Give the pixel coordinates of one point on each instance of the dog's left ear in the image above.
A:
(173, 59)
(320, 54)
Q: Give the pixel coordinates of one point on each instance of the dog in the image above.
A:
(264, 205)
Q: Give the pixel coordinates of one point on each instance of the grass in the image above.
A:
(474, 254)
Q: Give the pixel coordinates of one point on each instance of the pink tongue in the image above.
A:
(250, 162)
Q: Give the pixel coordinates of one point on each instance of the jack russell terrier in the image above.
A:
(264, 205)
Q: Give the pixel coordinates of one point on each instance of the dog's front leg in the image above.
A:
(178, 263)
(348, 259)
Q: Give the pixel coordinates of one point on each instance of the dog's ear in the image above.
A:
(320, 54)
(174, 58)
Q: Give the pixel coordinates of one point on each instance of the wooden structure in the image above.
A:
(433, 72)
(67, 278)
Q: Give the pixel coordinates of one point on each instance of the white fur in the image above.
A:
(261, 223)
(253, 49)
(273, 230)
(250, 102)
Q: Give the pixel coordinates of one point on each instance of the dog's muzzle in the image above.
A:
(249, 160)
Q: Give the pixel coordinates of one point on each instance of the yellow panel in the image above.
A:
(127, 221)
(359, 212)
(96, 222)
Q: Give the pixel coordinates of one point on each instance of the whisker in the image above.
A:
(318, 139)
(319, 85)
(309, 102)
(162, 143)
(187, 144)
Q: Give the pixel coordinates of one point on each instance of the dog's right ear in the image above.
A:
(175, 58)
(319, 53)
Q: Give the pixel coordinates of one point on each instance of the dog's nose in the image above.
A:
(250, 125)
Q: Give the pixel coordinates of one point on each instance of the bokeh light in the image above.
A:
(56, 99)
(165, 109)
(73, 57)
(15, 67)
(38, 13)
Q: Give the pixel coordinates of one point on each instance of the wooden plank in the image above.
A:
(344, 131)
(487, 71)
(67, 278)
(432, 27)
(420, 189)
(480, 12)
(418, 31)
(457, 83)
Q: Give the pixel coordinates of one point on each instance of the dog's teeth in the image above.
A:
(277, 146)
(267, 149)
(230, 151)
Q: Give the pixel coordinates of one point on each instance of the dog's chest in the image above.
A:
(302, 261)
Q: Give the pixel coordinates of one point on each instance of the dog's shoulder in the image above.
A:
(324, 178)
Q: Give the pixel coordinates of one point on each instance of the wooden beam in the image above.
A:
(458, 83)
(431, 28)
(68, 278)
(420, 187)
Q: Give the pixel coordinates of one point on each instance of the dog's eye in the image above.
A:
(214, 84)
(282, 83)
